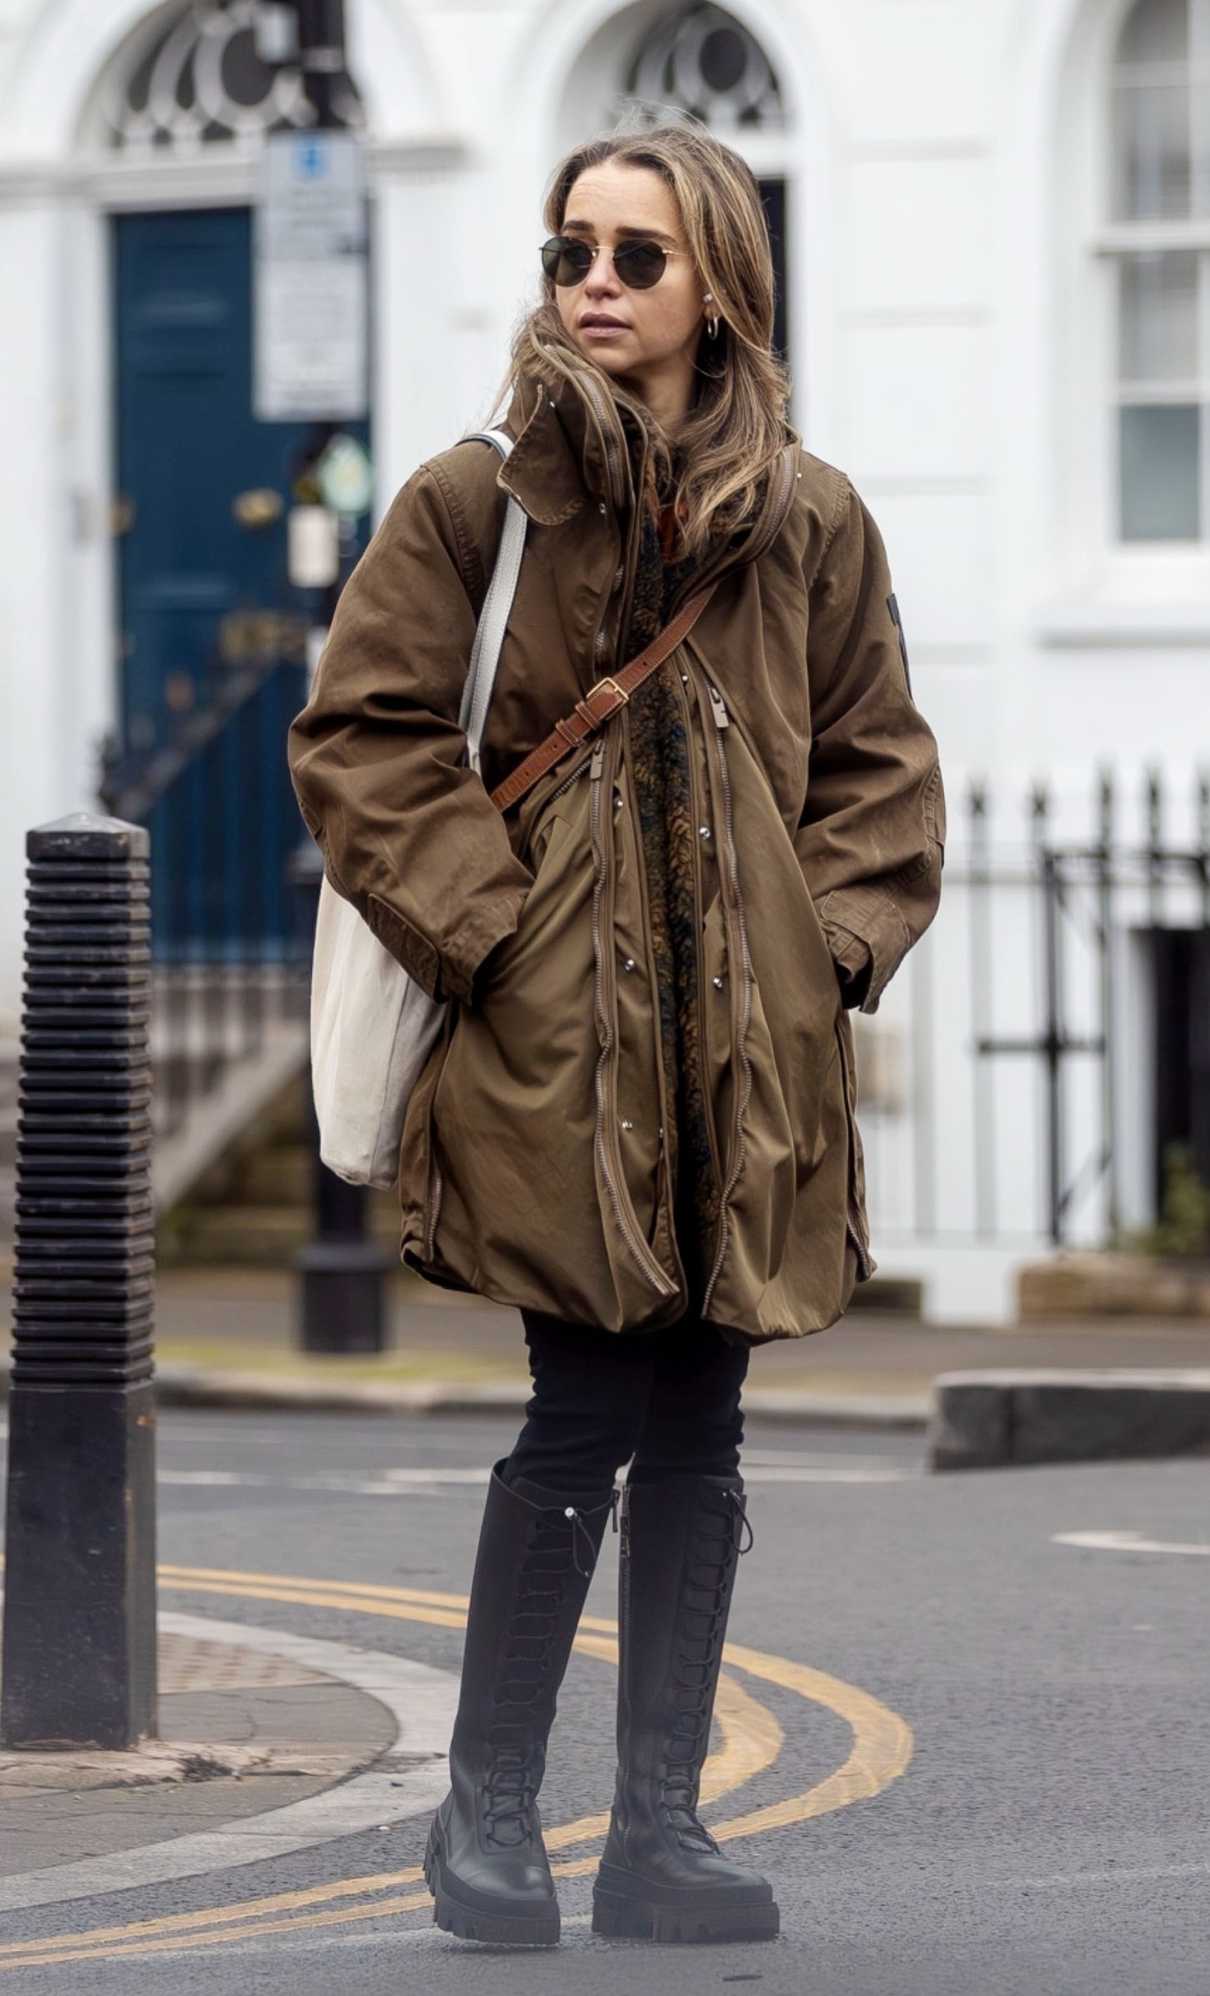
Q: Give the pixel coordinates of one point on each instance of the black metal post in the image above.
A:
(1107, 943)
(79, 1607)
(342, 1299)
(321, 50)
(1052, 890)
(342, 1271)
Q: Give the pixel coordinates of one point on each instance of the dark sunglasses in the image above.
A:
(639, 265)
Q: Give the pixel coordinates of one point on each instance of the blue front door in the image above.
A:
(212, 633)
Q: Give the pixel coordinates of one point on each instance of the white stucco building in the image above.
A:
(997, 254)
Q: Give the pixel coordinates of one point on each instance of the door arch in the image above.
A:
(574, 81)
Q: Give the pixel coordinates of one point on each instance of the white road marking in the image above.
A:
(393, 1935)
(1128, 1542)
(421, 1482)
(421, 1700)
(1119, 1875)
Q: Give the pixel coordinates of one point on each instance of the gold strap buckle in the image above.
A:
(616, 696)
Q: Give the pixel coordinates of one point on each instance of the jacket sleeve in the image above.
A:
(872, 833)
(407, 830)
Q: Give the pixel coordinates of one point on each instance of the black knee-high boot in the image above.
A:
(486, 1863)
(662, 1876)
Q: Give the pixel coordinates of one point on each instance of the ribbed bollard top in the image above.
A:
(85, 1224)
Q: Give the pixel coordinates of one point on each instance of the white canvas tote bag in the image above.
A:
(372, 1026)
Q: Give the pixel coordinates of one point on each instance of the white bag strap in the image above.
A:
(497, 609)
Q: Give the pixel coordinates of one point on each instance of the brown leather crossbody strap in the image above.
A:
(599, 704)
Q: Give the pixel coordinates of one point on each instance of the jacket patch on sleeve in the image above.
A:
(893, 607)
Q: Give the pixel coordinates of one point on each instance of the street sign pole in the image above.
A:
(311, 347)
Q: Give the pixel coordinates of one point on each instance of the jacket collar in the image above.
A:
(555, 465)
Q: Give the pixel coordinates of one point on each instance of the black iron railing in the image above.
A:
(1049, 1039)
(229, 953)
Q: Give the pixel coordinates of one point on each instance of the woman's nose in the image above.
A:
(602, 278)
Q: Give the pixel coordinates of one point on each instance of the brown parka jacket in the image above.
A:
(532, 1165)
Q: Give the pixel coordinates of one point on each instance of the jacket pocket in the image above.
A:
(856, 1215)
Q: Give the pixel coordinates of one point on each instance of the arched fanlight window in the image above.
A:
(1160, 188)
(701, 60)
(197, 79)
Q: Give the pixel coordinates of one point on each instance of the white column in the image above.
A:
(36, 723)
(420, 395)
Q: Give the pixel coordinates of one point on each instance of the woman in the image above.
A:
(638, 1127)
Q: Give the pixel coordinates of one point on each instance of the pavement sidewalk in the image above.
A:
(228, 1336)
(242, 1730)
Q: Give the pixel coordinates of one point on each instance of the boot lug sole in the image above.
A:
(646, 1920)
(639, 1909)
(470, 1923)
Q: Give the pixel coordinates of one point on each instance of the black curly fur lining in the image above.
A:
(660, 767)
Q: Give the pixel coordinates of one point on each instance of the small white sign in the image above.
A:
(312, 547)
(310, 316)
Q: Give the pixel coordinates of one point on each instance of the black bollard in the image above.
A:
(79, 1640)
(342, 1271)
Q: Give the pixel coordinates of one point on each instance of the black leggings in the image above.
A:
(669, 1398)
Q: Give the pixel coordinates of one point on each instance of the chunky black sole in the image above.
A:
(470, 1923)
(625, 1907)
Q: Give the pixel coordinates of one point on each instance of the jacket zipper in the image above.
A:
(860, 1238)
(573, 777)
(606, 1142)
(436, 1180)
(730, 874)
(435, 1193)
(703, 996)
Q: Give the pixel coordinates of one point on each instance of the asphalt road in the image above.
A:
(1026, 1715)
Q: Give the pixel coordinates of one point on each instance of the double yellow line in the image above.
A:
(752, 1741)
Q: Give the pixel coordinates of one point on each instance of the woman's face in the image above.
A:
(644, 334)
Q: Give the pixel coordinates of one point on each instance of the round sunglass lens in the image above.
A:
(640, 265)
(565, 261)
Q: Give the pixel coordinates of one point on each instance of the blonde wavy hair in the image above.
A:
(737, 424)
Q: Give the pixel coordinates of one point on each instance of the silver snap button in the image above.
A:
(570, 1509)
(704, 831)
(629, 963)
(626, 1123)
(601, 506)
(718, 983)
(685, 677)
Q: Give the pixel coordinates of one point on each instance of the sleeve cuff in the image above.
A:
(865, 932)
(854, 964)
(448, 976)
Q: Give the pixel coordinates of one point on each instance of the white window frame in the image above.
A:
(1104, 590)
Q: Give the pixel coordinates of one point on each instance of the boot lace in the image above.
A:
(521, 1693)
(717, 1545)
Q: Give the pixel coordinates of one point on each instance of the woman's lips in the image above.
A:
(602, 326)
